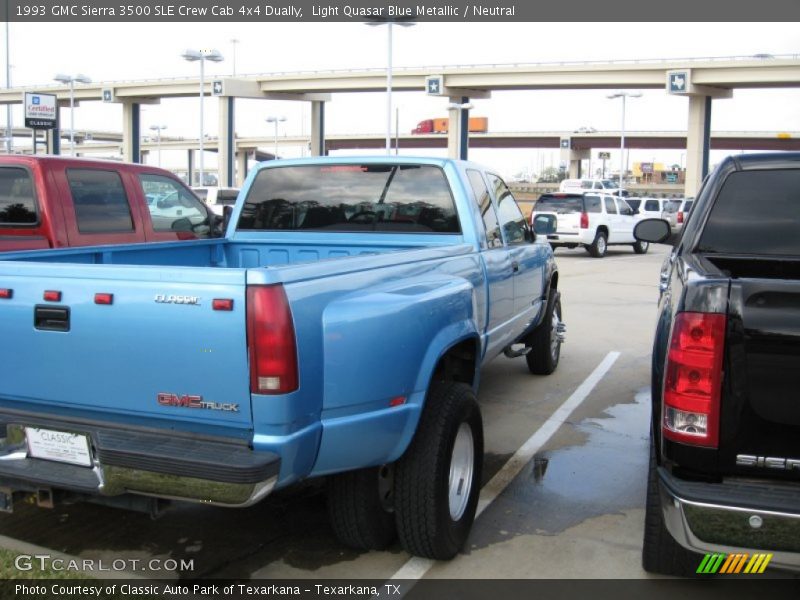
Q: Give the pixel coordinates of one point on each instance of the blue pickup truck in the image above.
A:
(337, 330)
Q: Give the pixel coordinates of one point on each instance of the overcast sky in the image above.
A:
(113, 52)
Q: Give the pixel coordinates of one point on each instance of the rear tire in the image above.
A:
(660, 552)
(599, 246)
(359, 508)
(641, 247)
(437, 480)
(545, 347)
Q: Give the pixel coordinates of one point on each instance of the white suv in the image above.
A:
(593, 221)
(676, 212)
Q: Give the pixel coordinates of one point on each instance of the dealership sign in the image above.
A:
(41, 110)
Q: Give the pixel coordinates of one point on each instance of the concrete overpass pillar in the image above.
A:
(241, 166)
(54, 135)
(679, 82)
(573, 158)
(318, 128)
(227, 142)
(698, 142)
(131, 132)
(458, 129)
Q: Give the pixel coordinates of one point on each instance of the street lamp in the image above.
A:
(623, 95)
(158, 129)
(275, 120)
(389, 22)
(71, 80)
(234, 41)
(202, 56)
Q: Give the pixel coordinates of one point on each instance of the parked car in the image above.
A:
(253, 362)
(724, 473)
(587, 185)
(676, 212)
(592, 221)
(647, 208)
(52, 202)
(217, 198)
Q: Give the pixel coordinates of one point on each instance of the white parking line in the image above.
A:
(416, 567)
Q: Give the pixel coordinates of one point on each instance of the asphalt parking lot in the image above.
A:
(570, 504)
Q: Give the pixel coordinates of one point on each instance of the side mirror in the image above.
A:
(183, 224)
(530, 235)
(655, 231)
(544, 224)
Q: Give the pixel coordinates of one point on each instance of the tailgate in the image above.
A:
(761, 407)
(158, 350)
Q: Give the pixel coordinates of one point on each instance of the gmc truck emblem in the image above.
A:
(768, 462)
(189, 401)
(173, 299)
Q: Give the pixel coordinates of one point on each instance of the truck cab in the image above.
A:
(55, 202)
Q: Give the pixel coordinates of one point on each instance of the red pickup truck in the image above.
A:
(52, 201)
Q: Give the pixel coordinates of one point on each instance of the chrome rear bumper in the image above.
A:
(160, 465)
(730, 517)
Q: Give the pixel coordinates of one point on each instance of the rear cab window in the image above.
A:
(403, 198)
(17, 199)
(755, 213)
(100, 202)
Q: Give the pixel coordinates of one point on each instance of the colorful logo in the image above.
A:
(733, 564)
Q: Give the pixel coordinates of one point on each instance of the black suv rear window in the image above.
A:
(17, 203)
(397, 198)
(756, 213)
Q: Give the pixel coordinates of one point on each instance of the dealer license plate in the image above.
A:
(60, 446)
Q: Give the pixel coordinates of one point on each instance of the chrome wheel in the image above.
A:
(462, 463)
(601, 245)
(555, 338)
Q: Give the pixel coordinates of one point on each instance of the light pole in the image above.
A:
(624, 96)
(389, 23)
(71, 80)
(9, 124)
(234, 41)
(275, 120)
(158, 129)
(202, 55)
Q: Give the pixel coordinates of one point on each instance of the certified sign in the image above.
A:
(40, 110)
(60, 446)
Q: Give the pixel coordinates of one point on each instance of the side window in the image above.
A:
(17, 202)
(172, 207)
(611, 208)
(624, 207)
(511, 218)
(101, 205)
(651, 205)
(598, 185)
(484, 202)
(592, 204)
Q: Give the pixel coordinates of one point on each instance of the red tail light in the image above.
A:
(271, 341)
(692, 387)
(584, 220)
(680, 216)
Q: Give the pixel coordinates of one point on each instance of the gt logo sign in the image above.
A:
(190, 401)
